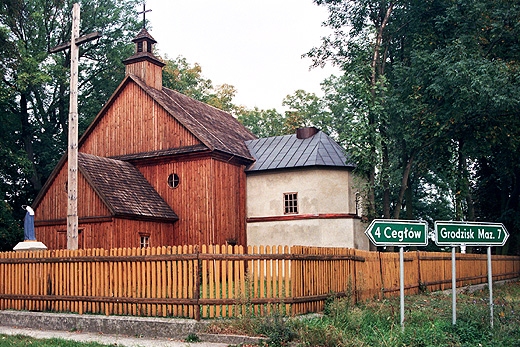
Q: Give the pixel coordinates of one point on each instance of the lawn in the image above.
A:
(428, 322)
(20, 340)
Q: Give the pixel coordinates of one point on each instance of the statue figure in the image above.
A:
(28, 225)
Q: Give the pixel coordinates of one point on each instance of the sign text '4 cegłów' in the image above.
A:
(395, 232)
(470, 234)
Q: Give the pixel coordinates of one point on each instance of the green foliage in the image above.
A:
(192, 338)
(180, 75)
(428, 108)
(34, 96)
(23, 341)
(262, 123)
(275, 326)
(427, 322)
(10, 230)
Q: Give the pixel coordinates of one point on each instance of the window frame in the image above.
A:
(144, 240)
(290, 203)
(173, 180)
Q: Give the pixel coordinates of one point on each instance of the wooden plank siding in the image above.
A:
(209, 200)
(98, 228)
(53, 205)
(222, 281)
(95, 234)
(134, 123)
(149, 71)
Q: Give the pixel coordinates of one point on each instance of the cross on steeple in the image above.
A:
(144, 14)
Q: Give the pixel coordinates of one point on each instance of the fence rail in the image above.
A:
(223, 281)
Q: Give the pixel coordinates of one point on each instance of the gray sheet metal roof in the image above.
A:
(282, 152)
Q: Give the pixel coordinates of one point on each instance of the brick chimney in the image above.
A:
(305, 133)
(144, 64)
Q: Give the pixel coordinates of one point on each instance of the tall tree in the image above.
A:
(435, 84)
(180, 75)
(34, 90)
(359, 46)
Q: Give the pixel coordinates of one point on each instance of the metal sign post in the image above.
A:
(401, 233)
(401, 284)
(453, 287)
(470, 234)
(490, 284)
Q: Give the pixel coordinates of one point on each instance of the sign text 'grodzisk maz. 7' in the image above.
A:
(470, 233)
(395, 232)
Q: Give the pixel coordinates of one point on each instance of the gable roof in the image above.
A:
(288, 151)
(123, 188)
(216, 129)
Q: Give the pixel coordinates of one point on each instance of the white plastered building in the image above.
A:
(301, 190)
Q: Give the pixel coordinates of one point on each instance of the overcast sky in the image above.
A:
(254, 45)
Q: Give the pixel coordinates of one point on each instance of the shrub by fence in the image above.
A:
(223, 281)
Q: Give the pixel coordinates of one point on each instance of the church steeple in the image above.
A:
(144, 64)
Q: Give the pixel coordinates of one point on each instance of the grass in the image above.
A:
(24, 341)
(428, 322)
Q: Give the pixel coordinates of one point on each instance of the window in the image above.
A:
(290, 203)
(145, 241)
(173, 180)
(140, 46)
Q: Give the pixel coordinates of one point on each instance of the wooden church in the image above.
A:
(157, 168)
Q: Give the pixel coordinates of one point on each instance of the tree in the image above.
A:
(262, 123)
(180, 75)
(367, 23)
(34, 93)
(435, 85)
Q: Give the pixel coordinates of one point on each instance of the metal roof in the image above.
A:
(288, 151)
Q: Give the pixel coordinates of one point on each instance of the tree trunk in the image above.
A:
(376, 67)
(385, 181)
(404, 185)
(27, 141)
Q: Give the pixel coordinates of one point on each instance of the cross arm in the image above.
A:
(79, 41)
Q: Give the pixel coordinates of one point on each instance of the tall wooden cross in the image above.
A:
(72, 185)
(144, 14)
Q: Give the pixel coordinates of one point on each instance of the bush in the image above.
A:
(276, 328)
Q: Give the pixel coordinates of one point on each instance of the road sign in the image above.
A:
(395, 232)
(470, 234)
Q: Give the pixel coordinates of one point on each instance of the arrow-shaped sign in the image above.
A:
(395, 232)
(470, 234)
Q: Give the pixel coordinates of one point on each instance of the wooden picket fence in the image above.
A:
(224, 281)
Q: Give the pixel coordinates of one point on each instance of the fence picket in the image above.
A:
(223, 281)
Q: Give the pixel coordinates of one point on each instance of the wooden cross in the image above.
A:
(72, 185)
(144, 14)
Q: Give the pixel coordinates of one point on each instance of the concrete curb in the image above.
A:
(141, 327)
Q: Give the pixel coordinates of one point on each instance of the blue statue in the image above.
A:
(28, 225)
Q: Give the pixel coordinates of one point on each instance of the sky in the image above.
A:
(254, 45)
